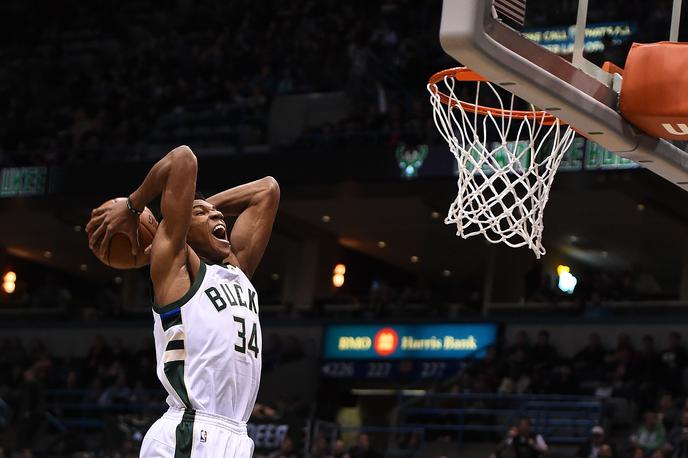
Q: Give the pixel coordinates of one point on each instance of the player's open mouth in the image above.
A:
(220, 232)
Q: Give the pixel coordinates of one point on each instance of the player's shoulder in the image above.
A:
(177, 279)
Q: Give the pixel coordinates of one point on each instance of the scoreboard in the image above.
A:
(398, 351)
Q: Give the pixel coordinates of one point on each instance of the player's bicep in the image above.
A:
(252, 229)
(164, 252)
(175, 204)
(177, 197)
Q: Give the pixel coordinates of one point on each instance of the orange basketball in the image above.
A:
(118, 253)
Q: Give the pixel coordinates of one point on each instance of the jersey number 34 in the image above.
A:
(252, 340)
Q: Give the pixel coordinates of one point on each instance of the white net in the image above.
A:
(506, 162)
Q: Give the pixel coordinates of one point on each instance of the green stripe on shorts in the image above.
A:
(184, 435)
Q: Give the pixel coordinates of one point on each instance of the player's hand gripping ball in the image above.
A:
(119, 238)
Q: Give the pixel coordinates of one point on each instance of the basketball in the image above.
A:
(118, 253)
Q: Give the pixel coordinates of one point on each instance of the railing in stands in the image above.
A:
(560, 419)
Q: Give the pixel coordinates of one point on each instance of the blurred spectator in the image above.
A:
(543, 353)
(521, 442)
(518, 354)
(650, 437)
(647, 368)
(5, 414)
(362, 449)
(590, 361)
(677, 443)
(321, 447)
(286, 449)
(648, 358)
(597, 446)
(674, 361)
(31, 410)
(668, 411)
(263, 411)
(117, 394)
(564, 381)
(490, 370)
(339, 449)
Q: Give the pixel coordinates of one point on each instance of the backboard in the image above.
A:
(475, 33)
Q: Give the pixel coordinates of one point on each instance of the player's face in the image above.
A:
(208, 232)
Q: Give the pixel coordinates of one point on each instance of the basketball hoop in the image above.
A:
(506, 157)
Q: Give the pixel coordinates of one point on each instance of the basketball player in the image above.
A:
(207, 333)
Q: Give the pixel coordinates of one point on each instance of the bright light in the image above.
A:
(325, 218)
(414, 259)
(8, 282)
(567, 282)
(561, 269)
(338, 280)
(446, 273)
(381, 244)
(338, 275)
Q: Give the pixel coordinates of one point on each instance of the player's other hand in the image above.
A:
(108, 220)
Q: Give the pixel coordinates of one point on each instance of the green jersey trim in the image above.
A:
(200, 275)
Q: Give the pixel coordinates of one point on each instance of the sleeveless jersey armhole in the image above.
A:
(200, 275)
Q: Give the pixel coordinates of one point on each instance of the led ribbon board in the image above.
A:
(408, 341)
(23, 181)
(598, 37)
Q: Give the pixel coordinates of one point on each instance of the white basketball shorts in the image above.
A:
(185, 433)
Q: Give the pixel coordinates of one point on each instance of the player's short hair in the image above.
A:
(197, 196)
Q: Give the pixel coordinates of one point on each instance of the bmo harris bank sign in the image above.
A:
(408, 341)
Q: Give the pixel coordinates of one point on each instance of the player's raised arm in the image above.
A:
(176, 182)
(255, 204)
(173, 176)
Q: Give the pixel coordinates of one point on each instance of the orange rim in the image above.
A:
(464, 74)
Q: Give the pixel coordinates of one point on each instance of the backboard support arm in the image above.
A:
(675, 20)
(579, 47)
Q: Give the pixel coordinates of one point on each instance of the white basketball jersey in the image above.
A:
(209, 343)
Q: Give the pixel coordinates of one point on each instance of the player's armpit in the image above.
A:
(256, 205)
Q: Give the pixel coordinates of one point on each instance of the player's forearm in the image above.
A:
(234, 201)
(179, 160)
